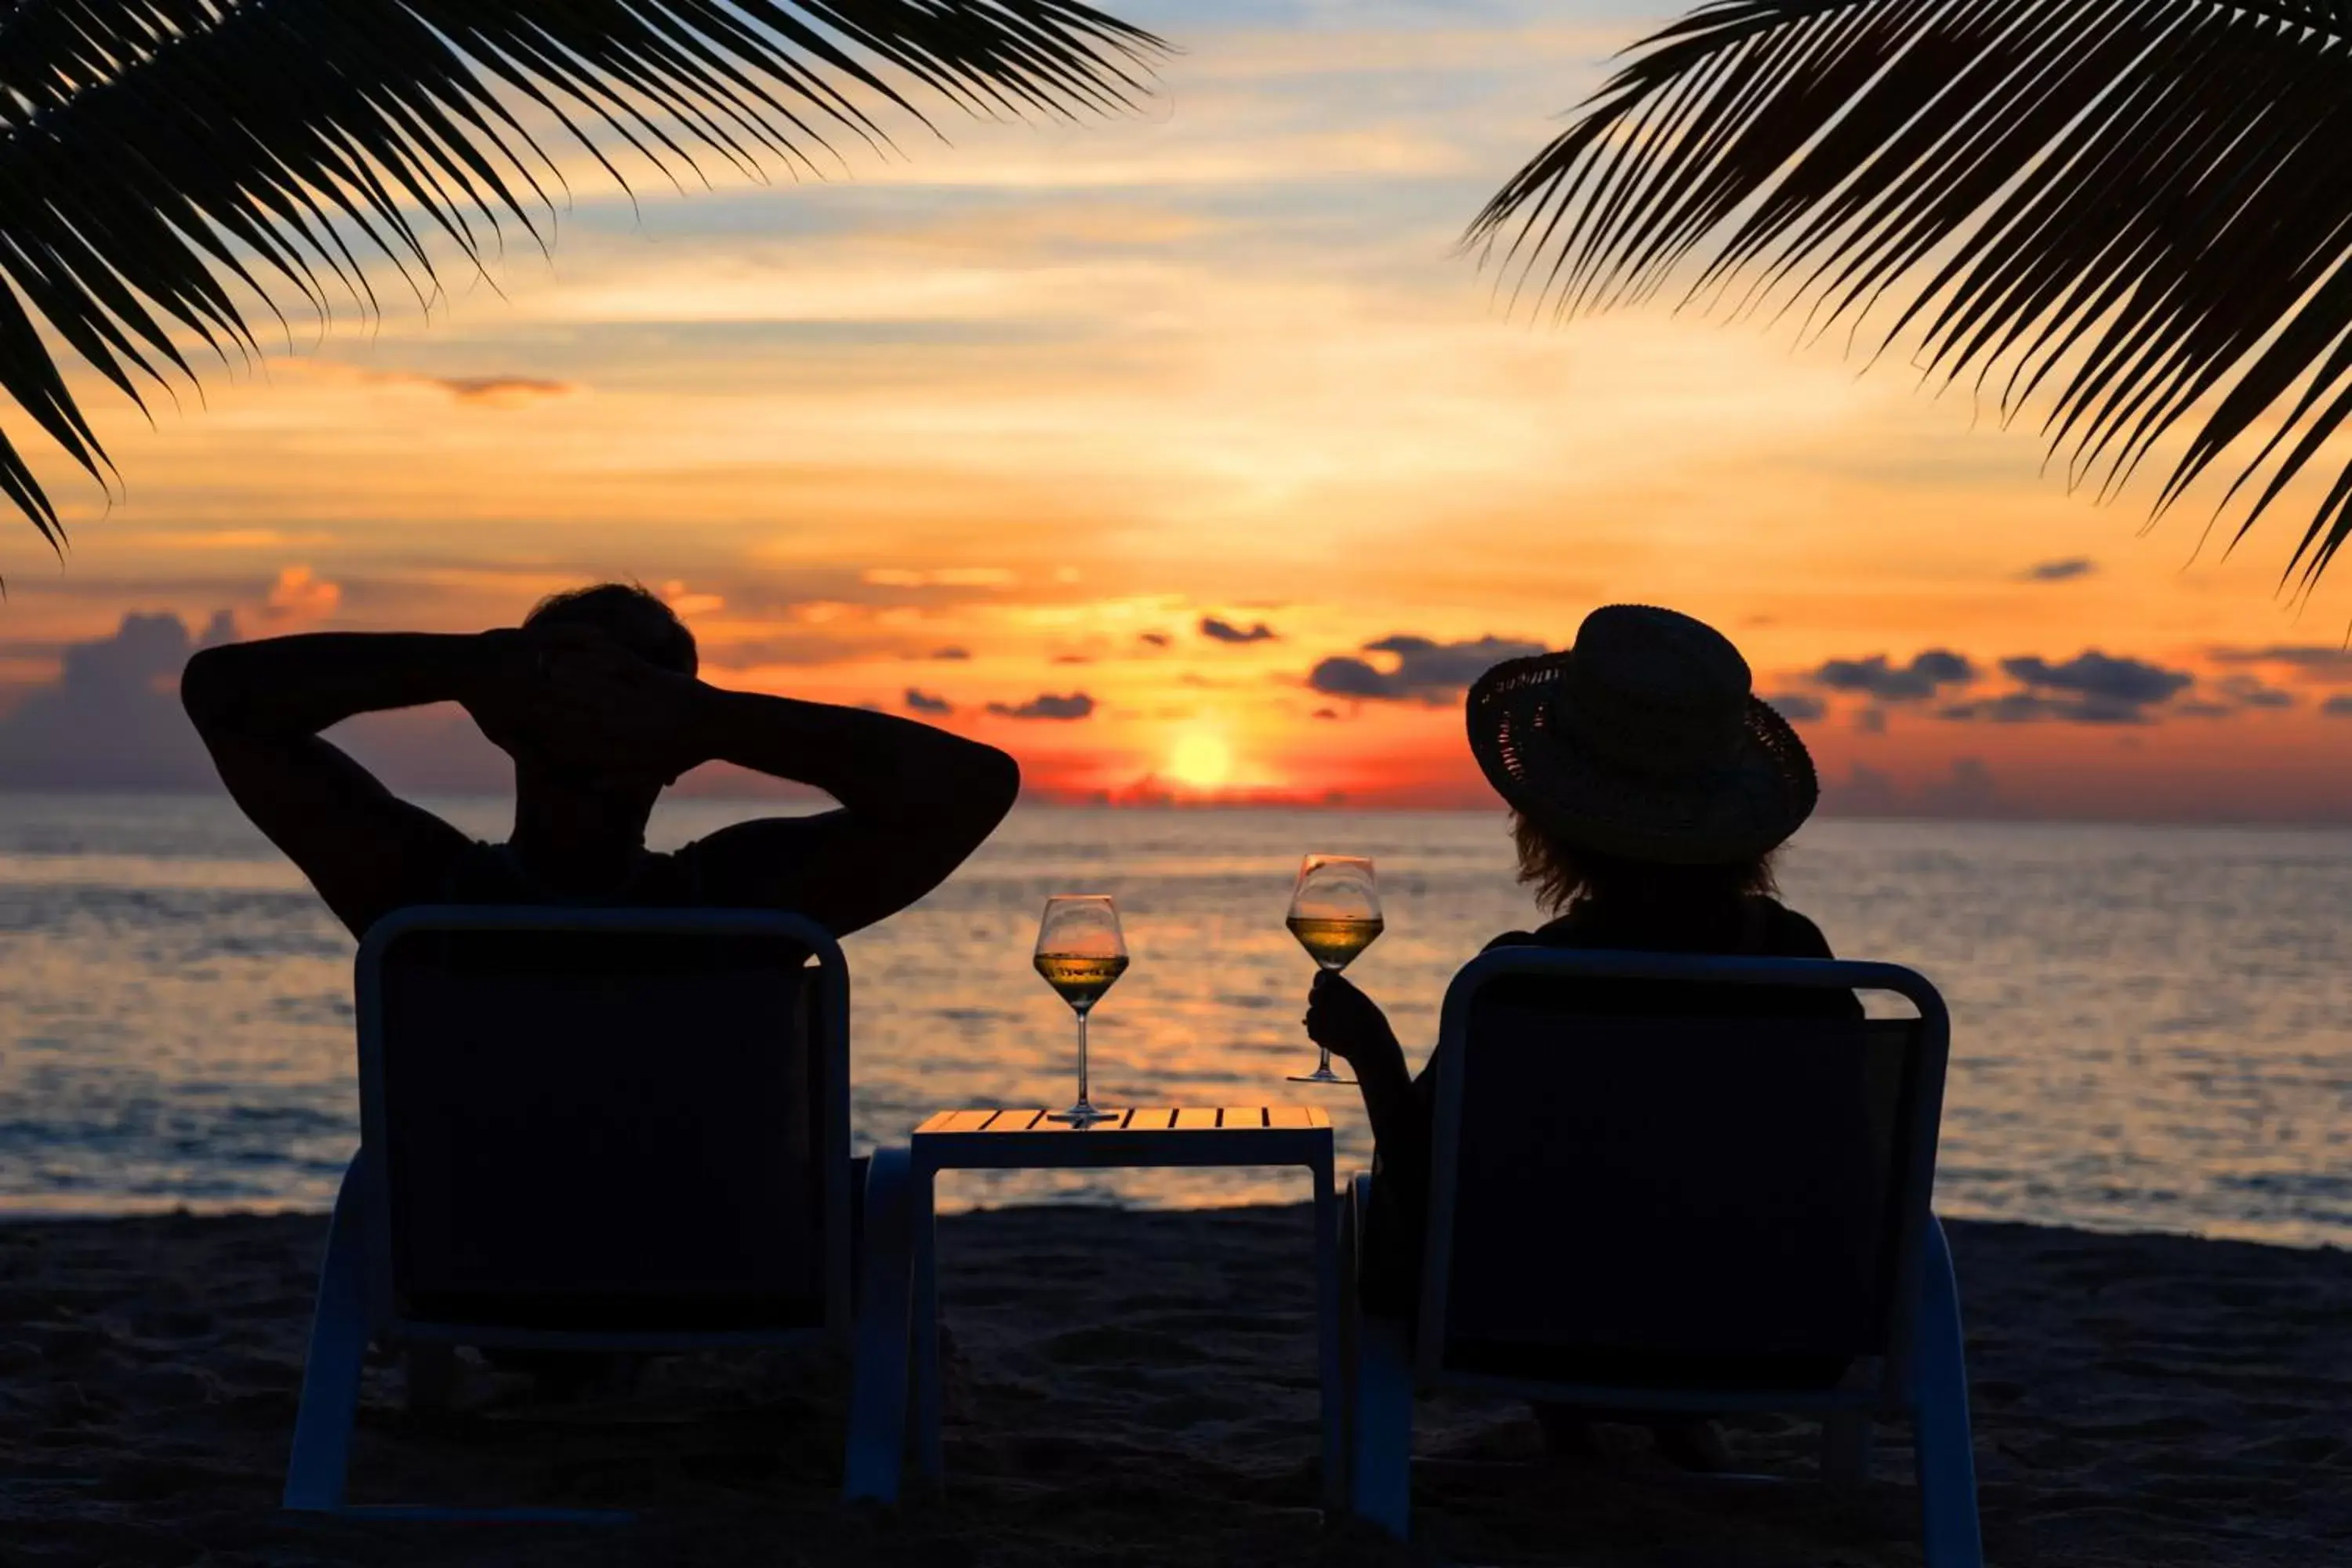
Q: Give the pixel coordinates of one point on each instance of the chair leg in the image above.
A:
(1382, 1462)
(1380, 1403)
(331, 1371)
(1939, 1406)
(877, 1406)
(1845, 1447)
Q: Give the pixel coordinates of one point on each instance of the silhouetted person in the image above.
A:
(595, 698)
(1649, 793)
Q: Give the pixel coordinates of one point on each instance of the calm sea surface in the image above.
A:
(2151, 1022)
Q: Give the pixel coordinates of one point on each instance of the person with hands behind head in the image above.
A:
(1650, 791)
(595, 697)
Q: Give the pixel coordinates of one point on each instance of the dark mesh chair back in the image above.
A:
(1643, 1198)
(602, 1129)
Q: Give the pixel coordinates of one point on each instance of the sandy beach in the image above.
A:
(1137, 1388)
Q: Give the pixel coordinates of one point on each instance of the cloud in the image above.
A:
(1345, 676)
(1153, 639)
(223, 538)
(1798, 706)
(2338, 706)
(2030, 707)
(1073, 658)
(921, 701)
(1924, 676)
(112, 718)
(1045, 705)
(299, 598)
(494, 391)
(1326, 714)
(687, 604)
(2318, 662)
(2096, 676)
(499, 390)
(2064, 571)
(957, 653)
(797, 648)
(946, 577)
(1967, 791)
(1426, 671)
(1216, 630)
(2246, 691)
(2092, 688)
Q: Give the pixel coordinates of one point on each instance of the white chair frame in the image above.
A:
(356, 1302)
(1923, 1377)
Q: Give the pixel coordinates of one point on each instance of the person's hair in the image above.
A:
(1561, 873)
(630, 615)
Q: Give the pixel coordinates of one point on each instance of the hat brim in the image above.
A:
(1738, 812)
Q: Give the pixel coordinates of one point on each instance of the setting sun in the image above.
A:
(1200, 761)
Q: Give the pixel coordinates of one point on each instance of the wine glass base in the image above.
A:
(1324, 1077)
(1082, 1115)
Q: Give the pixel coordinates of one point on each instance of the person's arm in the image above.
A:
(1353, 1028)
(259, 707)
(915, 801)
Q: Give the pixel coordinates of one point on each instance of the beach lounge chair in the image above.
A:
(610, 1130)
(1680, 1214)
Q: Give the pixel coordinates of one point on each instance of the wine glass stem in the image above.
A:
(1083, 1100)
(1326, 1059)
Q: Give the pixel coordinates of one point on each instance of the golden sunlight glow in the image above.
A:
(1061, 441)
(1200, 761)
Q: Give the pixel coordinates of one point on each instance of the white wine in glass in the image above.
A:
(1081, 952)
(1335, 913)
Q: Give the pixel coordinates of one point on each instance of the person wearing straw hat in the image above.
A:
(1650, 791)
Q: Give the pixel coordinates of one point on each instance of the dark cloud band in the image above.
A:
(1045, 705)
(1426, 670)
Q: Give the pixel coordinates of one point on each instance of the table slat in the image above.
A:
(1138, 1118)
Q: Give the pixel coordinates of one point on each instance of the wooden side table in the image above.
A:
(1155, 1136)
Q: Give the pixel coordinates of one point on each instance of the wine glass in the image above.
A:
(1335, 913)
(1080, 953)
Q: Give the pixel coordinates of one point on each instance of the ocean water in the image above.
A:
(2150, 1023)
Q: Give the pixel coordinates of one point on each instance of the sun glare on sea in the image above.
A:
(1200, 761)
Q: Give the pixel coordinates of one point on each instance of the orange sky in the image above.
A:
(1045, 396)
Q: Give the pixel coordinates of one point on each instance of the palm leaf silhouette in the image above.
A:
(167, 166)
(2115, 211)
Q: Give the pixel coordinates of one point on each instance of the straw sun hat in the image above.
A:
(1645, 741)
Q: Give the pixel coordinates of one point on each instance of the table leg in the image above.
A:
(930, 1458)
(1328, 1286)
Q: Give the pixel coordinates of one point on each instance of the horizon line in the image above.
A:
(1070, 800)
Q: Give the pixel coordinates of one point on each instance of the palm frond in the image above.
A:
(2115, 211)
(157, 155)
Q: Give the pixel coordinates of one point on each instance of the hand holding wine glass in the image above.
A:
(1335, 913)
(1081, 952)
